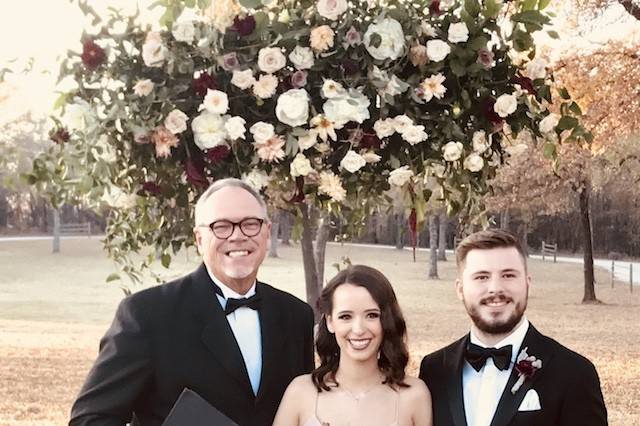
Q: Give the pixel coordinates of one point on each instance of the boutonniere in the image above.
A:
(526, 366)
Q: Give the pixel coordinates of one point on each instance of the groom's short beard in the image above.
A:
(503, 327)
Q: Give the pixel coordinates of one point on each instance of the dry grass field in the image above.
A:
(54, 309)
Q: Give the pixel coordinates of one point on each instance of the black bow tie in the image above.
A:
(252, 302)
(477, 356)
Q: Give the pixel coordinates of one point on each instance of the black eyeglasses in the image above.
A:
(223, 228)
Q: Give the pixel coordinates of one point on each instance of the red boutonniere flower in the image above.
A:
(526, 366)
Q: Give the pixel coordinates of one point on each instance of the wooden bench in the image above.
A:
(549, 249)
(76, 228)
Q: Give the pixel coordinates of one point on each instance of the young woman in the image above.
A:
(362, 348)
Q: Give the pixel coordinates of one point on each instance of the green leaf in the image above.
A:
(190, 3)
(375, 40)
(522, 41)
(491, 9)
(530, 17)
(564, 93)
(165, 259)
(113, 277)
(567, 123)
(458, 68)
(542, 4)
(550, 150)
(478, 43)
(553, 34)
(472, 7)
(575, 108)
(528, 4)
(251, 4)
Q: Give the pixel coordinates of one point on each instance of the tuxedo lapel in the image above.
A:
(509, 402)
(272, 329)
(217, 335)
(453, 362)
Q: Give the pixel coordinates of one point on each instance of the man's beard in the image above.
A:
(498, 327)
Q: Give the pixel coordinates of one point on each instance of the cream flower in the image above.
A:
(292, 107)
(432, 87)
(266, 86)
(473, 162)
(321, 38)
(331, 185)
(323, 127)
(479, 141)
(176, 121)
(243, 79)
(452, 151)
(222, 13)
(437, 50)
(216, 102)
(307, 140)
(458, 32)
(352, 161)
(262, 131)
(331, 9)
(371, 157)
(143, 87)
(271, 59)
(302, 57)
(549, 123)
(300, 166)
(164, 140)
(536, 69)
(257, 179)
(235, 127)
(418, 55)
(184, 31)
(384, 128)
(402, 122)
(208, 130)
(400, 176)
(505, 105)
(332, 89)
(352, 107)
(270, 150)
(153, 51)
(391, 39)
(414, 134)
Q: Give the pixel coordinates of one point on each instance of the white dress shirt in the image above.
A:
(245, 324)
(482, 389)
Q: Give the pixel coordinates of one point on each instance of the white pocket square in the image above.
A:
(531, 401)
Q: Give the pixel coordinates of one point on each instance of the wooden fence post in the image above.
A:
(613, 270)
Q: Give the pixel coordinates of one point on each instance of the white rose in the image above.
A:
(352, 161)
(184, 31)
(292, 107)
(400, 176)
(371, 157)
(437, 50)
(505, 105)
(153, 51)
(104, 150)
(549, 123)
(480, 143)
(452, 151)
(332, 89)
(266, 86)
(116, 197)
(331, 9)
(384, 128)
(302, 57)
(143, 87)
(402, 122)
(458, 32)
(353, 107)
(216, 102)
(473, 162)
(414, 134)
(271, 59)
(257, 179)
(300, 166)
(536, 69)
(78, 115)
(395, 86)
(176, 121)
(307, 140)
(208, 130)
(243, 79)
(235, 127)
(392, 39)
(262, 131)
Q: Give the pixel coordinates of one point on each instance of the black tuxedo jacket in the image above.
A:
(567, 385)
(176, 335)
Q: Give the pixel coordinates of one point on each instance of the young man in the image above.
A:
(482, 379)
(233, 340)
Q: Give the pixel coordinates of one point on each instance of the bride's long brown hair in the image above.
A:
(394, 355)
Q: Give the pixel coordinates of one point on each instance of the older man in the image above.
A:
(505, 372)
(235, 341)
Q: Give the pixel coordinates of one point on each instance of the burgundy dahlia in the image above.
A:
(203, 83)
(370, 141)
(92, 55)
(151, 188)
(194, 169)
(434, 7)
(59, 136)
(526, 84)
(349, 67)
(244, 26)
(218, 153)
(489, 113)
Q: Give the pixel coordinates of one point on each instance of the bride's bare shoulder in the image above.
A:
(302, 383)
(416, 390)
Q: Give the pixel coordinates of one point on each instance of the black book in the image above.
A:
(192, 410)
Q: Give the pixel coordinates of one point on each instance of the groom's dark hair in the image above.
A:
(486, 240)
(393, 354)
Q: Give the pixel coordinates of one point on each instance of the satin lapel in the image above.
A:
(273, 331)
(216, 333)
(509, 402)
(453, 364)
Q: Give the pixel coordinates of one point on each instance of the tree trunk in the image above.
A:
(56, 231)
(442, 237)
(525, 238)
(589, 288)
(275, 226)
(310, 272)
(505, 218)
(285, 227)
(433, 246)
(324, 228)
(399, 230)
